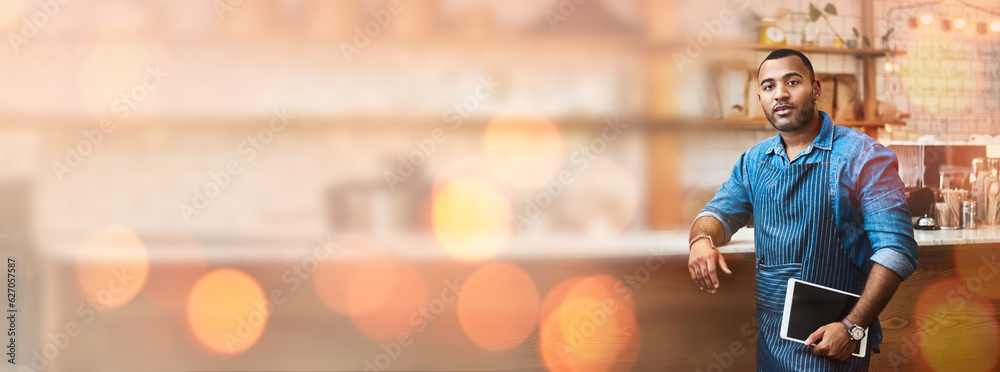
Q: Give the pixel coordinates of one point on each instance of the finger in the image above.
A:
(722, 264)
(698, 275)
(703, 275)
(815, 336)
(694, 276)
(713, 277)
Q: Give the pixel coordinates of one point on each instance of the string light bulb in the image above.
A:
(959, 23)
(926, 18)
(995, 26)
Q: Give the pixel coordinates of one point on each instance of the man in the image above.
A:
(828, 208)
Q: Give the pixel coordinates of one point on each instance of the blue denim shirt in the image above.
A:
(872, 218)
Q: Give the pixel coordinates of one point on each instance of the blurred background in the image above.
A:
(406, 184)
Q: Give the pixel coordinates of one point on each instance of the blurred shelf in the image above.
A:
(696, 122)
(859, 52)
(723, 47)
(301, 121)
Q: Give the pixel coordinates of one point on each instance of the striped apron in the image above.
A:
(796, 237)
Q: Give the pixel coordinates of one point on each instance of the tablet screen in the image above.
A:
(809, 306)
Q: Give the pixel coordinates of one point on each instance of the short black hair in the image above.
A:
(782, 53)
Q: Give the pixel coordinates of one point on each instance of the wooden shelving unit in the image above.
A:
(867, 57)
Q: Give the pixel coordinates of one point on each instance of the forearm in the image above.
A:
(707, 225)
(879, 289)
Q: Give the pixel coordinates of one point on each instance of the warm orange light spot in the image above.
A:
(399, 315)
(593, 329)
(954, 349)
(498, 306)
(995, 26)
(471, 218)
(177, 261)
(356, 278)
(556, 296)
(958, 329)
(112, 265)
(603, 199)
(227, 311)
(959, 24)
(524, 150)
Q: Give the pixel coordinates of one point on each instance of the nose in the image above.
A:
(781, 92)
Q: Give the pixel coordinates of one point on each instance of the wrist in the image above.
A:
(701, 237)
(854, 331)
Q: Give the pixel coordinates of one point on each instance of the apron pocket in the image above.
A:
(772, 282)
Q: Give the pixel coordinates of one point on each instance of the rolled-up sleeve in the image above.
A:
(731, 204)
(886, 215)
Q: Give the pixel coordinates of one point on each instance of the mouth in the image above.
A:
(782, 110)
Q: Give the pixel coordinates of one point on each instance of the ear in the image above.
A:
(817, 89)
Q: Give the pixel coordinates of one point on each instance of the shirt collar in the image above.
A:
(823, 141)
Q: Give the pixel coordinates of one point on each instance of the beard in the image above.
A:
(803, 115)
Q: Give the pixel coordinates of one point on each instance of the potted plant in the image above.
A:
(814, 15)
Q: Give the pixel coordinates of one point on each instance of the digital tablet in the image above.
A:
(810, 306)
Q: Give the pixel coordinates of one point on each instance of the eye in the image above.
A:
(768, 87)
(793, 82)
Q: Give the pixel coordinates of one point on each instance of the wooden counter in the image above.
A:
(677, 328)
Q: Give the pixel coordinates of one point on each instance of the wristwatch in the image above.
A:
(853, 330)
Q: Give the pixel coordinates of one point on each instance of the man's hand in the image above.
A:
(701, 265)
(833, 342)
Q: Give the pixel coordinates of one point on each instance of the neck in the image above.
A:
(798, 140)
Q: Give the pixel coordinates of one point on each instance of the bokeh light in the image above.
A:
(524, 150)
(498, 306)
(227, 311)
(357, 277)
(959, 329)
(926, 18)
(603, 200)
(593, 329)
(471, 218)
(177, 261)
(407, 295)
(995, 26)
(112, 265)
(959, 23)
(556, 296)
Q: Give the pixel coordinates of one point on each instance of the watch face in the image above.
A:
(857, 333)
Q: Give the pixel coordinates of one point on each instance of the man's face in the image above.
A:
(787, 94)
